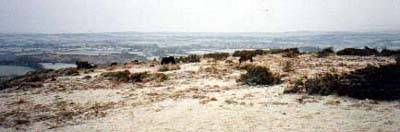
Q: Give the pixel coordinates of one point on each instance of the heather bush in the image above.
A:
(216, 56)
(388, 52)
(358, 52)
(146, 77)
(189, 59)
(252, 53)
(119, 76)
(258, 75)
(380, 83)
(325, 52)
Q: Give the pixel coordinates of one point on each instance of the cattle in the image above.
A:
(168, 60)
(84, 65)
(245, 58)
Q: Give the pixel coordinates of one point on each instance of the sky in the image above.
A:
(82, 16)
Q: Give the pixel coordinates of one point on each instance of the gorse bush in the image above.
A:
(380, 83)
(289, 52)
(126, 76)
(119, 76)
(146, 77)
(325, 52)
(189, 59)
(216, 56)
(358, 52)
(258, 75)
(252, 53)
(388, 52)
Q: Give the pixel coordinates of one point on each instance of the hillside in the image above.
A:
(201, 96)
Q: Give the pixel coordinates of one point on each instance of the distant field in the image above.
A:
(13, 70)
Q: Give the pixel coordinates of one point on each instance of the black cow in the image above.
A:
(84, 65)
(168, 60)
(245, 58)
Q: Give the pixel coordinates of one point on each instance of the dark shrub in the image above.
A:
(159, 77)
(258, 75)
(358, 52)
(380, 83)
(290, 54)
(288, 50)
(216, 56)
(240, 53)
(325, 52)
(119, 76)
(68, 72)
(189, 59)
(146, 77)
(388, 52)
(139, 77)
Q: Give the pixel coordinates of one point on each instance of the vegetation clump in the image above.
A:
(380, 83)
(358, 52)
(216, 56)
(189, 59)
(325, 52)
(289, 52)
(68, 72)
(252, 53)
(146, 77)
(126, 76)
(118, 76)
(388, 52)
(258, 75)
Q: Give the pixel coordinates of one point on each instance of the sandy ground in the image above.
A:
(197, 98)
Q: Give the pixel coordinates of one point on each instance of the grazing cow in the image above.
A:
(168, 60)
(245, 58)
(84, 65)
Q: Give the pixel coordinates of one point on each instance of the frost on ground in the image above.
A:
(202, 96)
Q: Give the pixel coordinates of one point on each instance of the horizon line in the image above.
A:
(278, 32)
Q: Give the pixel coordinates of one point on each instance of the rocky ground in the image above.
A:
(202, 96)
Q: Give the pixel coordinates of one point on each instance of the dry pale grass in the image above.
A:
(194, 90)
(164, 68)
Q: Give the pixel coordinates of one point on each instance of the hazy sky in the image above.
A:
(65, 16)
